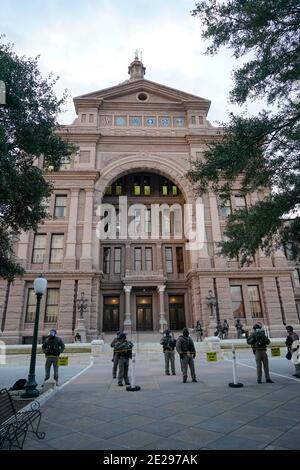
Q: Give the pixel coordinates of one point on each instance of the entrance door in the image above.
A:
(144, 313)
(111, 314)
(176, 312)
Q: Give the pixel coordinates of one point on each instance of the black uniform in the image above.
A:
(186, 350)
(123, 351)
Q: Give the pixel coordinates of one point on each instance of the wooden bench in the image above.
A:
(14, 424)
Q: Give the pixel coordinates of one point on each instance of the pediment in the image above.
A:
(128, 91)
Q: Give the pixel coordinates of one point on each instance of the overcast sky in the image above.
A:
(90, 43)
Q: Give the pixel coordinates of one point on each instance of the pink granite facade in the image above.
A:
(137, 140)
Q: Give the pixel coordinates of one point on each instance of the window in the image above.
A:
(179, 259)
(137, 186)
(166, 223)
(118, 222)
(118, 188)
(38, 252)
(169, 260)
(117, 260)
(31, 306)
(147, 186)
(60, 206)
(52, 302)
(296, 276)
(83, 118)
(237, 301)
(91, 118)
(193, 119)
(148, 221)
(164, 188)
(225, 207)
(255, 303)
(57, 248)
(137, 259)
(168, 188)
(65, 163)
(106, 260)
(174, 190)
(148, 259)
(240, 202)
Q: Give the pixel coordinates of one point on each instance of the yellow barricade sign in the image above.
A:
(275, 352)
(211, 356)
(63, 361)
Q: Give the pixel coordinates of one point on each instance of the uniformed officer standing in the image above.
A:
(225, 329)
(186, 350)
(123, 349)
(115, 358)
(259, 341)
(168, 343)
(199, 331)
(239, 328)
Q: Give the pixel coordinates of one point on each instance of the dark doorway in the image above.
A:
(111, 313)
(144, 313)
(176, 312)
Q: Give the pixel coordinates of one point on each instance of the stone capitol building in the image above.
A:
(135, 143)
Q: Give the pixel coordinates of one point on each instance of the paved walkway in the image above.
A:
(92, 412)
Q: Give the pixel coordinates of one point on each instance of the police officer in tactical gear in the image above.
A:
(123, 349)
(239, 328)
(219, 330)
(225, 329)
(168, 343)
(259, 341)
(115, 358)
(52, 347)
(186, 350)
(199, 331)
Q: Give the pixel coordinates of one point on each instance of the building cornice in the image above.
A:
(250, 273)
(72, 175)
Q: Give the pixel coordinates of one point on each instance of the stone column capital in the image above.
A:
(89, 192)
(127, 289)
(74, 191)
(161, 289)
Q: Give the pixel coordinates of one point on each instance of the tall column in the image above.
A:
(288, 300)
(264, 261)
(86, 256)
(209, 321)
(272, 306)
(70, 258)
(216, 229)
(127, 320)
(162, 313)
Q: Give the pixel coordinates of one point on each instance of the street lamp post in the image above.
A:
(211, 302)
(82, 305)
(40, 286)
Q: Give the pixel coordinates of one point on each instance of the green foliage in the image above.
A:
(260, 151)
(27, 131)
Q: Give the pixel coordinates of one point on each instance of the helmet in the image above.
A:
(167, 333)
(122, 336)
(257, 326)
(185, 332)
(289, 328)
